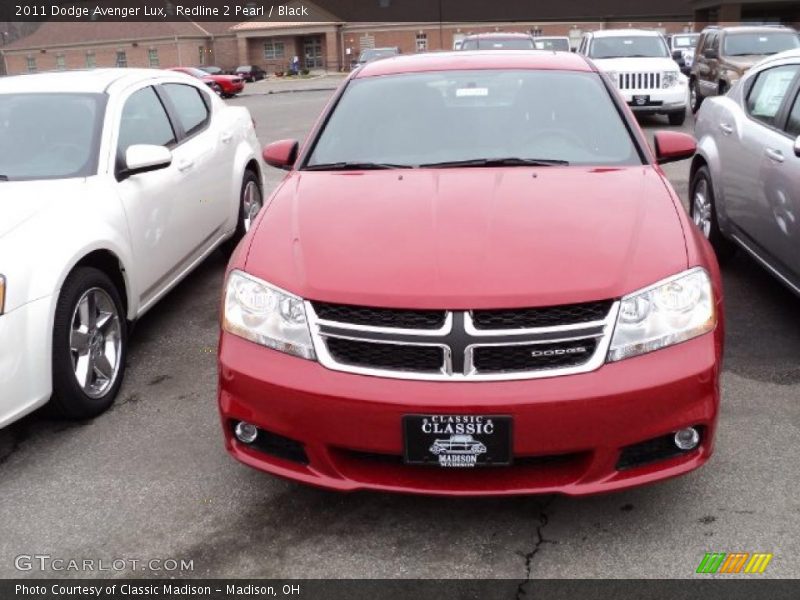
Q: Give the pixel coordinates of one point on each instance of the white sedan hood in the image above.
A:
(636, 65)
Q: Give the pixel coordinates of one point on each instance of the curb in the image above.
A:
(295, 91)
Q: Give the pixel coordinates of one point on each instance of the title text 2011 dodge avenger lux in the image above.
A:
(473, 244)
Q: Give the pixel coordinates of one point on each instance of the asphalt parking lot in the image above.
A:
(150, 479)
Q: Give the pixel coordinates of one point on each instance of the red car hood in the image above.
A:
(469, 238)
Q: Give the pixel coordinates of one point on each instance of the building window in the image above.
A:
(31, 64)
(366, 41)
(122, 59)
(422, 42)
(91, 61)
(152, 55)
(60, 62)
(273, 50)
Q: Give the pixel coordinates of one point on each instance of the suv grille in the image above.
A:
(639, 81)
(549, 316)
(463, 345)
(380, 317)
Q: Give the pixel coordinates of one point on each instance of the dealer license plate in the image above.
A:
(457, 441)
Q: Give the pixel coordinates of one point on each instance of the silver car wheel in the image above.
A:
(95, 342)
(251, 204)
(701, 208)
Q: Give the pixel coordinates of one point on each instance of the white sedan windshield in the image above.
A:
(49, 136)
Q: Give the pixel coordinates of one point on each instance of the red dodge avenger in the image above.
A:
(475, 279)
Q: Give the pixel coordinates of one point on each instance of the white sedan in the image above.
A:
(114, 185)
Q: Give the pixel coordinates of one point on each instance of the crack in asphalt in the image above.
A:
(522, 590)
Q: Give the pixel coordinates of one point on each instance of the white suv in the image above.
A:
(639, 63)
(114, 185)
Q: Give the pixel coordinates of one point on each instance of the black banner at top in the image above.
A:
(344, 10)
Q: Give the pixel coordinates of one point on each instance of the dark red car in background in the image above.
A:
(482, 245)
(226, 86)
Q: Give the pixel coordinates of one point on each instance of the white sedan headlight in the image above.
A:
(614, 77)
(669, 312)
(266, 315)
(670, 78)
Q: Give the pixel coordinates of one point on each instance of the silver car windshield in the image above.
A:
(49, 136)
(499, 117)
(498, 43)
(685, 41)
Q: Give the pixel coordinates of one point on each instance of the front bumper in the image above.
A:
(350, 425)
(25, 375)
(662, 102)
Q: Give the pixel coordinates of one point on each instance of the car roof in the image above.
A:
(751, 28)
(498, 34)
(81, 81)
(477, 59)
(788, 56)
(626, 32)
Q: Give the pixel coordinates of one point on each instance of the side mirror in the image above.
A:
(677, 54)
(143, 158)
(573, 49)
(710, 53)
(672, 146)
(281, 154)
(797, 147)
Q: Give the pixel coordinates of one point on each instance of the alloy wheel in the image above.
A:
(251, 204)
(701, 208)
(95, 342)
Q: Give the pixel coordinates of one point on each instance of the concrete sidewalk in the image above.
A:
(282, 85)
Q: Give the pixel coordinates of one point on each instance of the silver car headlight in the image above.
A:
(262, 313)
(614, 77)
(670, 78)
(671, 311)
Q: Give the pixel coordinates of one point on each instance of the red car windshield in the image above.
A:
(448, 116)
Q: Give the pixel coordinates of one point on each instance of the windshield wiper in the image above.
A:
(498, 162)
(354, 166)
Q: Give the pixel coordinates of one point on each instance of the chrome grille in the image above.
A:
(639, 81)
(467, 345)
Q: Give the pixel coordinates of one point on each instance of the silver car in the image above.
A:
(745, 178)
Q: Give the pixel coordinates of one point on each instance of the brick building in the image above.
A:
(60, 46)
(324, 43)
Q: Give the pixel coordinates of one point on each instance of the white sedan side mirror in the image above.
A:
(143, 158)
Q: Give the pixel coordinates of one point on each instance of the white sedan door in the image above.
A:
(167, 221)
(204, 156)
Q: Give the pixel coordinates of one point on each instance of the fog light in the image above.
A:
(687, 439)
(247, 432)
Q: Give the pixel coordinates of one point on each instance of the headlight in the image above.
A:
(614, 77)
(670, 78)
(266, 315)
(669, 312)
(2, 294)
